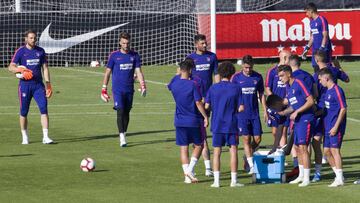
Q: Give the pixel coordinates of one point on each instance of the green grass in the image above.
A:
(149, 169)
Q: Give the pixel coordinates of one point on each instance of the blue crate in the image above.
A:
(269, 168)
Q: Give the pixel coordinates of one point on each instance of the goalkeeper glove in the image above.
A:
(48, 90)
(104, 95)
(143, 88)
(27, 73)
(306, 49)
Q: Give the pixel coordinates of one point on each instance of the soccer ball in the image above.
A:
(20, 75)
(94, 64)
(87, 164)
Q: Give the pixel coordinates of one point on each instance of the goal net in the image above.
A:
(76, 32)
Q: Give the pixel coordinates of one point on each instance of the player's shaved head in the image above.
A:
(326, 72)
(320, 56)
(294, 60)
(186, 65)
(284, 57)
(226, 69)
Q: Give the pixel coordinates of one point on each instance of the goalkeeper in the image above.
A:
(29, 61)
(122, 65)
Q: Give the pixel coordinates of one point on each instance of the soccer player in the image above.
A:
(319, 36)
(337, 73)
(31, 85)
(249, 124)
(206, 64)
(121, 66)
(301, 101)
(224, 100)
(273, 85)
(190, 115)
(334, 123)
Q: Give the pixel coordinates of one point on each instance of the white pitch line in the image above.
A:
(81, 105)
(353, 119)
(97, 73)
(93, 113)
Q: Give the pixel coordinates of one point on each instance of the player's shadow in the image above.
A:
(99, 137)
(351, 140)
(100, 171)
(133, 144)
(14, 155)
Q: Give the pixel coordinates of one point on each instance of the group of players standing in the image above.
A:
(314, 107)
(314, 102)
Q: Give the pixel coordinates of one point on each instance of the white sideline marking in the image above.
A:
(93, 113)
(97, 73)
(80, 105)
(353, 119)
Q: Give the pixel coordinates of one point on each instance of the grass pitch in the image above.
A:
(148, 170)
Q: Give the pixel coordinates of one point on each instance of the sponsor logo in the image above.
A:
(202, 67)
(276, 30)
(126, 66)
(32, 62)
(248, 90)
(53, 45)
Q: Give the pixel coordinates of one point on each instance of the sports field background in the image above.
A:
(148, 170)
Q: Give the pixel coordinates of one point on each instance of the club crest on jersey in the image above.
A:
(208, 59)
(329, 96)
(315, 24)
(255, 82)
(293, 91)
(23, 94)
(131, 59)
(38, 54)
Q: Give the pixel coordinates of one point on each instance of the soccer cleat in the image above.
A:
(316, 178)
(357, 182)
(236, 184)
(304, 184)
(122, 140)
(47, 140)
(215, 185)
(209, 173)
(25, 140)
(192, 178)
(297, 180)
(187, 180)
(336, 183)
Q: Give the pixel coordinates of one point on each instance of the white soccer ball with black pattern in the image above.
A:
(87, 164)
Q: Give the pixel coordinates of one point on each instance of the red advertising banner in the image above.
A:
(263, 34)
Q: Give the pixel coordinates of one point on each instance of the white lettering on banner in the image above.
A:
(32, 62)
(202, 67)
(293, 100)
(248, 90)
(275, 30)
(126, 66)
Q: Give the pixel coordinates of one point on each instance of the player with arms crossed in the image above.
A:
(301, 113)
(319, 36)
(206, 64)
(224, 99)
(334, 123)
(190, 116)
(121, 66)
(251, 84)
(30, 60)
